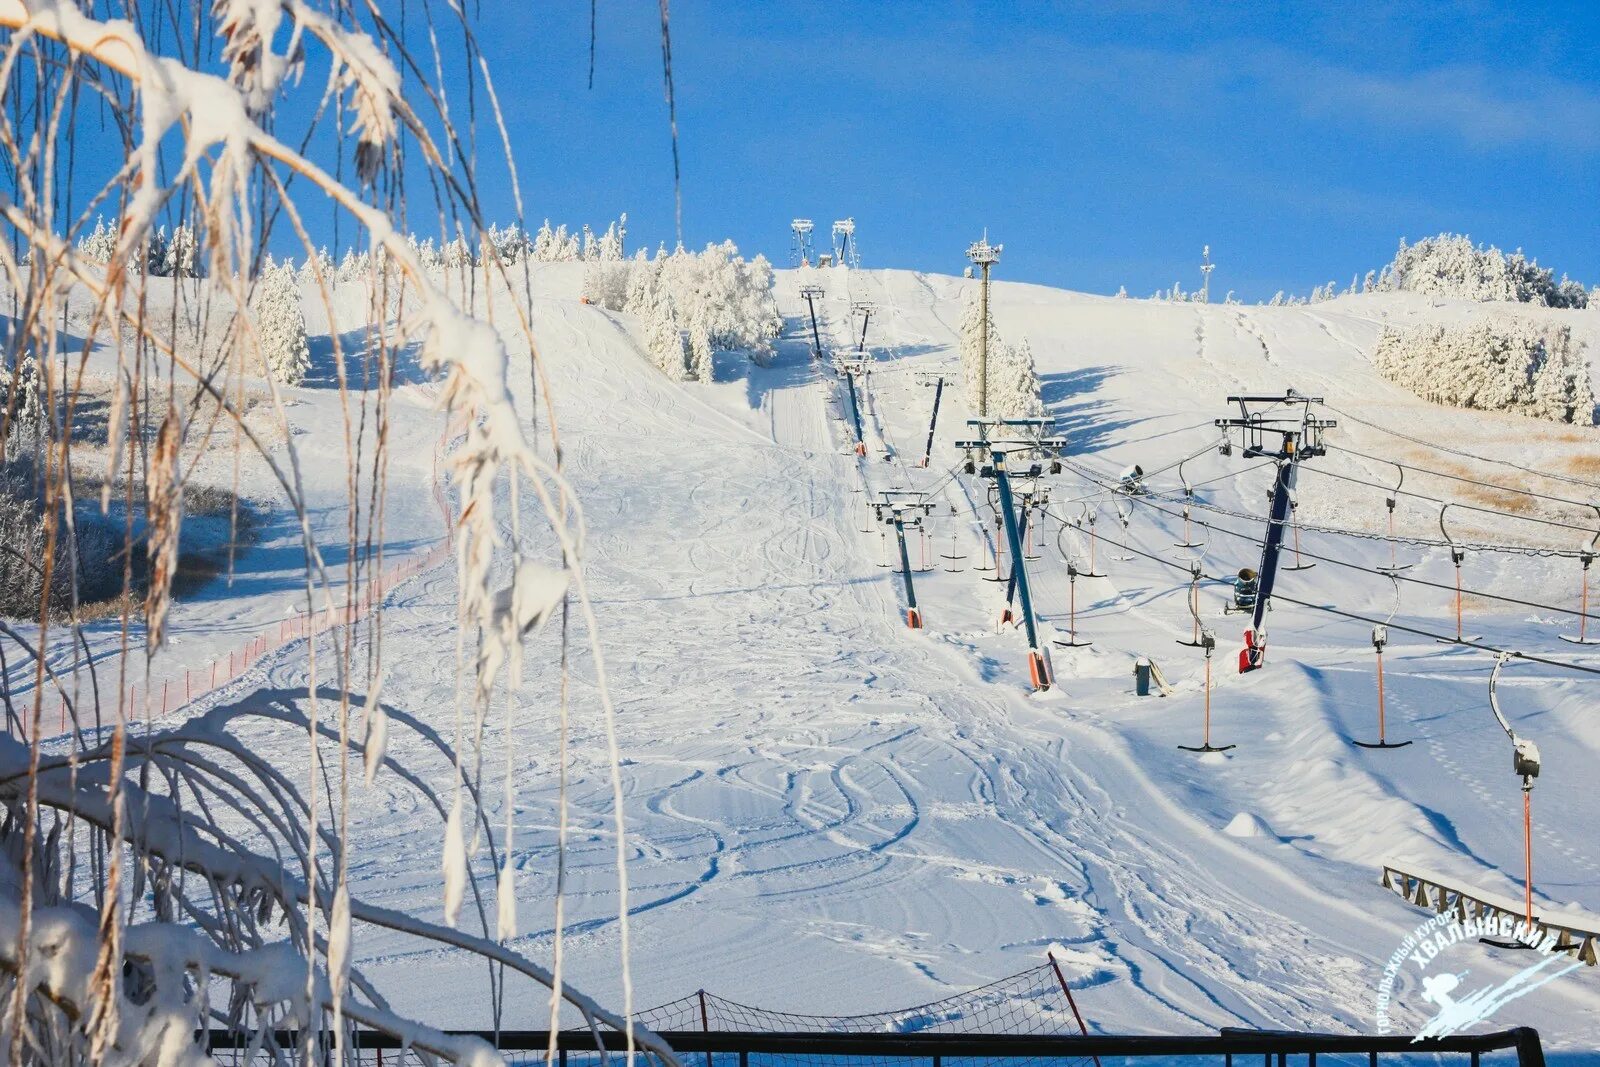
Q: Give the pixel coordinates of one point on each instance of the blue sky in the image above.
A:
(1102, 143)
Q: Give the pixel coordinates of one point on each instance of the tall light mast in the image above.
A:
(984, 255)
(1206, 267)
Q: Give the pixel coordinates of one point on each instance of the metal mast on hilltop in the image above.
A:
(984, 255)
(800, 252)
(844, 243)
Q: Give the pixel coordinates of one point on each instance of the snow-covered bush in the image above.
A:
(1450, 265)
(86, 567)
(717, 292)
(1011, 378)
(1503, 364)
(281, 323)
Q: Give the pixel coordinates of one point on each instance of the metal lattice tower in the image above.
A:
(984, 255)
(844, 243)
(800, 251)
(1206, 267)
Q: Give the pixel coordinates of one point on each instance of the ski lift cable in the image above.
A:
(1483, 594)
(1338, 531)
(1463, 478)
(1568, 478)
(1442, 638)
(1453, 503)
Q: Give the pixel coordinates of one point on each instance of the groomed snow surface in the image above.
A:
(830, 813)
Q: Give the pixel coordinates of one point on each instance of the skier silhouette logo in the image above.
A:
(1455, 1007)
(1455, 1015)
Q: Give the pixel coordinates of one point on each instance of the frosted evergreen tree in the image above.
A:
(320, 264)
(281, 323)
(178, 257)
(544, 243)
(27, 421)
(641, 285)
(613, 241)
(701, 364)
(1012, 380)
(1450, 265)
(456, 255)
(155, 252)
(1122, 292)
(664, 339)
(1370, 282)
(100, 244)
(1014, 383)
(1500, 364)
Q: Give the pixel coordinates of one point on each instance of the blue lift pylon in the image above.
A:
(937, 380)
(1282, 428)
(905, 510)
(813, 293)
(1001, 457)
(851, 368)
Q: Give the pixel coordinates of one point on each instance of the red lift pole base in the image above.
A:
(1038, 670)
(914, 618)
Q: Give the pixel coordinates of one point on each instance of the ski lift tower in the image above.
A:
(905, 510)
(1281, 428)
(864, 308)
(1206, 267)
(984, 255)
(1003, 448)
(844, 243)
(854, 367)
(800, 251)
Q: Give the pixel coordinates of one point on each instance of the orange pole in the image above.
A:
(1458, 601)
(1527, 853)
(1583, 602)
(1380, 696)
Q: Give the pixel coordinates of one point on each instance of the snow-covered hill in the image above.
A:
(832, 813)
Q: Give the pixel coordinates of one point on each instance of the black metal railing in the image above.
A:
(1273, 1046)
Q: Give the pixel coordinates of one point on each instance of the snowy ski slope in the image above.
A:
(831, 813)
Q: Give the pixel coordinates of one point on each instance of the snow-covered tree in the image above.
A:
(100, 244)
(1500, 364)
(280, 323)
(605, 283)
(1450, 265)
(701, 363)
(1011, 379)
(664, 342)
(321, 263)
(613, 243)
(179, 257)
